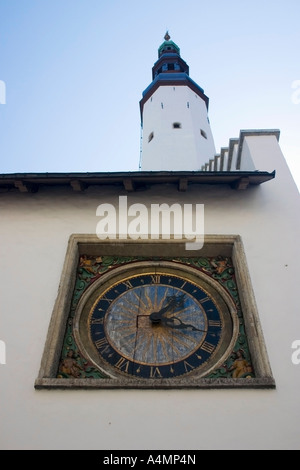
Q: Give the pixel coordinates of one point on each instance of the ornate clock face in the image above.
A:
(158, 323)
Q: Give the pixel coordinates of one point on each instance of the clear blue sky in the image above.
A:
(75, 71)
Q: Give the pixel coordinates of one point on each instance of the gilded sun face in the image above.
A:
(155, 325)
(131, 331)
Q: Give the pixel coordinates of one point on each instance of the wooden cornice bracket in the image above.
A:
(128, 184)
(183, 184)
(78, 185)
(242, 183)
(26, 187)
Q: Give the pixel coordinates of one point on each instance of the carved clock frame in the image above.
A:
(61, 323)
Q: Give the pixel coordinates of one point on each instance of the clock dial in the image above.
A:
(156, 324)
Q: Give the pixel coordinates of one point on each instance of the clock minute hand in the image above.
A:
(171, 323)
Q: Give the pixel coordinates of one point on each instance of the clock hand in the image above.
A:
(156, 317)
(171, 323)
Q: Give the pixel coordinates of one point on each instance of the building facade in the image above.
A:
(69, 241)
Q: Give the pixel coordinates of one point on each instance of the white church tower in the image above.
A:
(176, 133)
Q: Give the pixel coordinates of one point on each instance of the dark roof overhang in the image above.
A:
(131, 181)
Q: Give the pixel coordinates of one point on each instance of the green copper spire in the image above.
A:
(168, 46)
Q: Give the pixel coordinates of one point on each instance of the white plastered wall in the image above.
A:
(34, 232)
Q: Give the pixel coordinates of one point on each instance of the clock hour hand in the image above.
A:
(173, 301)
(156, 317)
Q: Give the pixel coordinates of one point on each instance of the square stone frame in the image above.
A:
(214, 245)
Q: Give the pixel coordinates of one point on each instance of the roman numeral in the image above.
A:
(188, 366)
(128, 285)
(103, 346)
(155, 372)
(107, 299)
(123, 364)
(208, 347)
(155, 279)
(101, 343)
(214, 323)
(205, 299)
(97, 321)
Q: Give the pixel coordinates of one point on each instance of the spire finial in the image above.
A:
(167, 37)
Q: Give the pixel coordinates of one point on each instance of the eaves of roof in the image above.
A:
(131, 181)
